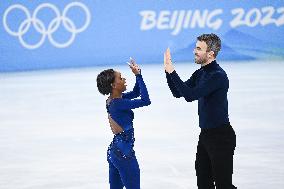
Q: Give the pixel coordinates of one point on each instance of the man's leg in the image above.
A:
(221, 146)
(222, 165)
(203, 167)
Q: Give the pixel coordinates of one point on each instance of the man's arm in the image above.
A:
(190, 83)
(172, 86)
(169, 69)
(209, 85)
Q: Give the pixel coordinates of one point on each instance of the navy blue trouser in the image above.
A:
(123, 166)
(214, 158)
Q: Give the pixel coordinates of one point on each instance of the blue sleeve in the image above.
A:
(135, 92)
(190, 83)
(125, 103)
(204, 88)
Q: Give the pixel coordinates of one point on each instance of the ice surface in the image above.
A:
(54, 130)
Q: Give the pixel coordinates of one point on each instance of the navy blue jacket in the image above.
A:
(209, 85)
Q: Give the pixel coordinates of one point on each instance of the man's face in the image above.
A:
(200, 52)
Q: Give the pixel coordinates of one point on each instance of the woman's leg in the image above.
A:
(128, 169)
(114, 177)
(130, 173)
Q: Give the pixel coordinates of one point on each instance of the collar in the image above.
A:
(210, 65)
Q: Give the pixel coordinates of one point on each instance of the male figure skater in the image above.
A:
(209, 85)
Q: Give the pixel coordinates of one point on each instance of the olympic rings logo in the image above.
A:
(47, 31)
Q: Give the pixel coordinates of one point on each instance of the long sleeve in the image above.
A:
(125, 103)
(135, 92)
(172, 87)
(204, 88)
(189, 83)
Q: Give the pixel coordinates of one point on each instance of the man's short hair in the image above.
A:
(213, 42)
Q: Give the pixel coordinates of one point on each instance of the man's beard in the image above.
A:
(200, 60)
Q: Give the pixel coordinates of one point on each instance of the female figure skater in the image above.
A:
(123, 166)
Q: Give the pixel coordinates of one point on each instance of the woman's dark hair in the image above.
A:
(104, 81)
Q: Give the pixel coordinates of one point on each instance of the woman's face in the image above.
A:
(119, 82)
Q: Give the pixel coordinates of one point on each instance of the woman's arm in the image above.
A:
(144, 100)
(134, 93)
(136, 71)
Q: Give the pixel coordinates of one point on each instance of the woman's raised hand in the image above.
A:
(133, 66)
